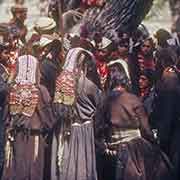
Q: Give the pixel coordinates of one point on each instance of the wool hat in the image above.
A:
(45, 25)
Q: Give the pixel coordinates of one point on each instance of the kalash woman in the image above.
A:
(27, 124)
(76, 98)
(122, 133)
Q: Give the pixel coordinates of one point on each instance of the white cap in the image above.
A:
(47, 39)
(44, 24)
(104, 43)
(44, 41)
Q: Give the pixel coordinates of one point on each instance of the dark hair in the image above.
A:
(117, 80)
(162, 36)
(166, 57)
(91, 70)
(150, 75)
(151, 41)
(54, 49)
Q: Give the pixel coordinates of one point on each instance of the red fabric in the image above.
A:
(90, 2)
(13, 61)
(145, 63)
(102, 68)
(66, 82)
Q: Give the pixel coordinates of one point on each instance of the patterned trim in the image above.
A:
(23, 99)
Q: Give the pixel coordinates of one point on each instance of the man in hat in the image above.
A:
(51, 62)
(45, 25)
(102, 54)
(19, 13)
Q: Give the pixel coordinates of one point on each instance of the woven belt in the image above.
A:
(122, 136)
(31, 132)
(78, 124)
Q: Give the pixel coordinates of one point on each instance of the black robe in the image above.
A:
(166, 116)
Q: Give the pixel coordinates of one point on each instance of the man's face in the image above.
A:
(13, 42)
(123, 46)
(143, 82)
(123, 49)
(22, 16)
(4, 56)
(44, 51)
(103, 53)
(146, 48)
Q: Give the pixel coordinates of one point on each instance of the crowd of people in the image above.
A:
(74, 108)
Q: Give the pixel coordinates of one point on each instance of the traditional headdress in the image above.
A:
(123, 79)
(66, 83)
(27, 70)
(24, 94)
(122, 63)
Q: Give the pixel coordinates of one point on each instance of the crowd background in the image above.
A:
(155, 17)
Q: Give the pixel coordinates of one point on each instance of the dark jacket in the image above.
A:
(49, 73)
(166, 115)
(3, 94)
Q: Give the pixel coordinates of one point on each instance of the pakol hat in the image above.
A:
(104, 43)
(45, 25)
(48, 39)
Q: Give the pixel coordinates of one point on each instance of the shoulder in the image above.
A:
(129, 95)
(88, 85)
(131, 99)
(170, 78)
(169, 73)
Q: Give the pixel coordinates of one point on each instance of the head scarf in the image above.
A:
(66, 83)
(123, 64)
(24, 94)
(27, 70)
